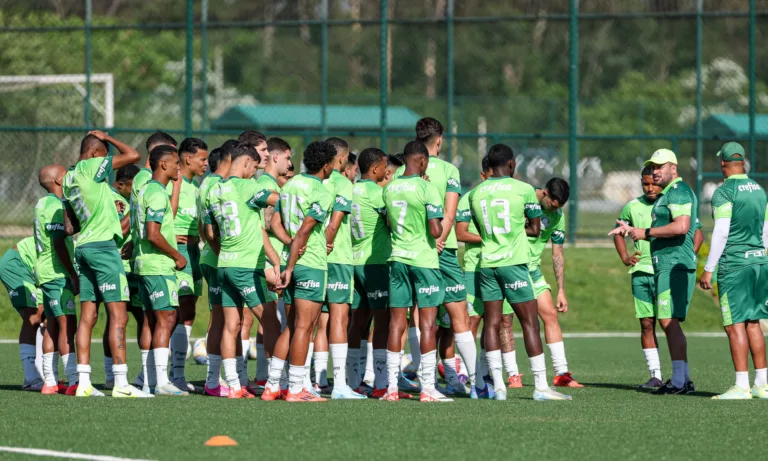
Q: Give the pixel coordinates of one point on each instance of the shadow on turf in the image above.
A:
(629, 387)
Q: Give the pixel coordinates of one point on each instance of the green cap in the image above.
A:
(730, 151)
(662, 156)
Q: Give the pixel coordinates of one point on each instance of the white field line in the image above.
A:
(64, 454)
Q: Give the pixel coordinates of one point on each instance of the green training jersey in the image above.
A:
(411, 202)
(637, 213)
(139, 181)
(677, 199)
(268, 182)
(234, 205)
(28, 252)
(123, 241)
(744, 202)
(302, 196)
(49, 225)
(340, 189)
(445, 177)
(472, 251)
(154, 205)
(370, 235)
(499, 208)
(552, 228)
(185, 222)
(207, 256)
(86, 188)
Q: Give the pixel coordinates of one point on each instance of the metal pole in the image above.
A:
(88, 62)
(573, 117)
(699, 127)
(449, 47)
(188, 73)
(752, 78)
(383, 77)
(324, 67)
(204, 65)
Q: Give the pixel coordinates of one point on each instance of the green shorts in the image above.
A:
(307, 283)
(241, 287)
(58, 298)
(210, 274)
(133, 288)
(540, 284)
(407, 282)
(340, 287)
(158, 292)
(19, 281)
(674, 289)
(371, 286)
(102, 276)
(190, 279)
(512, 283)
(743, 294)
(475, 306)
(644, 292)
(453, 277)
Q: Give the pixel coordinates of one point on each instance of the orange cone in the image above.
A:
(220, 441)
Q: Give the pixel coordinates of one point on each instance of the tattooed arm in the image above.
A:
(558, 264)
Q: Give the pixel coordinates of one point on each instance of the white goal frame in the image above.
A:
(107, 108)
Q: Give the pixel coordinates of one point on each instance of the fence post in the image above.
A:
(188, 70)
(752, 147)
(383, 77)
(324, 68)
(204, 65)
(450, 65)
(88, 62)
(573, 118)
(699, 126)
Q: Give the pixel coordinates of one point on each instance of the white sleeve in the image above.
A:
(716, 248)
(765, 235)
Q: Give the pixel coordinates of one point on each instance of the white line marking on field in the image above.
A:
(65, 454)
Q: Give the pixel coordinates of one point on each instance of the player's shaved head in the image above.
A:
(416, 157)
(91, 146)
(501, 160)
(159, 138)
(51, 175)
(368, 157)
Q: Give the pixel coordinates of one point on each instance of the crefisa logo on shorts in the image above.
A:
(432, 289)
(455, 288)
(308, 284)
(516, 285)
(248, 290)
(107, 287)
(338, 286)
(378, 294)
(155, 295)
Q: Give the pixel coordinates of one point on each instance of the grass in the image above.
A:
(607, 419)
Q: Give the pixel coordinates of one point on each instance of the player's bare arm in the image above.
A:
(679, 226)
(71, 224)
(128, 155)
(463, 234)
(558, 264)
(333, 229)
(175, 194)
(621, 247)
(62, 252)
(212, 237)
(276, 225)
(299, 242)
(272, 255)
(449, 217)
(698, 240)
(533, 229)
(156, 238)
(125, 225)
(435, 228)
(268, 212)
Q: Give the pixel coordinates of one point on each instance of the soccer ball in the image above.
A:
(200, 353)
(252, 353)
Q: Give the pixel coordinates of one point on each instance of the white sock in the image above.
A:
(321, 368)
(39, 352)
(179, 345)
(70, 366)
(262, 363)
(307, 365)
(296, 376)
(482, 368)
(242, 370)
(379, 369)
(48, 377)
(465, 343)
(144, 359)
(55, 366)
(352, 364)
(108, 369)
(653, 362)
(276, 366)
(393, 370)
(84, 375)
(27, 353)
(539, 371)
(557, 350)
(510, 363)
(369, 376)
(761, 377)
(151, 375)
(284, 376)
(451, 375)
(428, 365)
(494, 365)
(161, 365)
(414, 336)
(214, 369)
(246, 345)
(742, 379)
(230, 373)
(687, 372)
(120, 373)
(678, 373)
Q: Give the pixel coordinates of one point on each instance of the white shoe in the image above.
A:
(501, 394)
(129, 392)
(549, 394)
(170, 389)
(433, 395)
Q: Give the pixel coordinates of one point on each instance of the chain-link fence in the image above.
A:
(581, 90)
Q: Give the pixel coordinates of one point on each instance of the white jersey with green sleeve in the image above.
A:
(370, 235)
(340, 189)
(234, 205)
(305, 195)
(472, 251)
(49, 224)
(499, 208)
(445, 177)
(28, 253)
(268, 182)
(207, 256)
(552, 228)
(123, 241)
(411, 202)
(637, 213)
(185, 222)
(154, 205)
(86, 188)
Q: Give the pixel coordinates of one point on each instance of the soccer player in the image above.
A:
(193, 160)
(675, 218)
(235, 202)
(142, 177)
(350, 172)
(738, 252)
(305, 203)
(102, 277)
(637, 213)
(415, 210)
(500, 206)
(56, 277)
(17, 272)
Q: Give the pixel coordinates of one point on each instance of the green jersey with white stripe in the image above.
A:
(637, 213)
(86, 188)
(185, 222)
(154, 205)
(340, 189)
(370, 235)
(207, 256)
(49, 225)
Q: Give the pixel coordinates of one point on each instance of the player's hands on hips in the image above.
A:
(706, 280)
(181, 262)
(562, 302)
(631, 260)
(285, 279)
